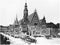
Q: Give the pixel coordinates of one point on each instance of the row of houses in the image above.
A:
(35, 31)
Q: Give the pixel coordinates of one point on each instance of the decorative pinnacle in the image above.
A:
(35, 10)
(16, 17)
(25, 4)
(44, 17)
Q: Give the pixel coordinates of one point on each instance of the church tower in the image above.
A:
(25, 20)
(25, 13)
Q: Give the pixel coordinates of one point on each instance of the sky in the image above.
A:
(10, 8)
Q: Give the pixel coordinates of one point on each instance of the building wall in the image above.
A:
(37, 31)
(45, 32)
(54, 32)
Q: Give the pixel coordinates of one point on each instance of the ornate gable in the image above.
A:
(35, 19)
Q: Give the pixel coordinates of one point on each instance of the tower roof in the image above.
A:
(25, 4)
(35, 10)
(25, 8)
(16, 21)
(44, 18)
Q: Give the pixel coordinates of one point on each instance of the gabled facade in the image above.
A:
(35, 19)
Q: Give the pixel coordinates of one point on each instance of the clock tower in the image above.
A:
(25, 14)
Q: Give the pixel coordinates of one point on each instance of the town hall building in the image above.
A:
(31, 25)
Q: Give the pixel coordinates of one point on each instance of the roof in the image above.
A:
(16, 22)
(30, 17)
(51, 25)
(4, 26)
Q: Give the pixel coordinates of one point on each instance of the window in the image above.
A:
(37, 32)
(35, 23)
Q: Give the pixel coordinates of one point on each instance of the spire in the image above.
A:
(16, 21)
(25, 11)
(25, 17)
(25, 4)
(16, 17)
(44, 18)
(35, 10)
